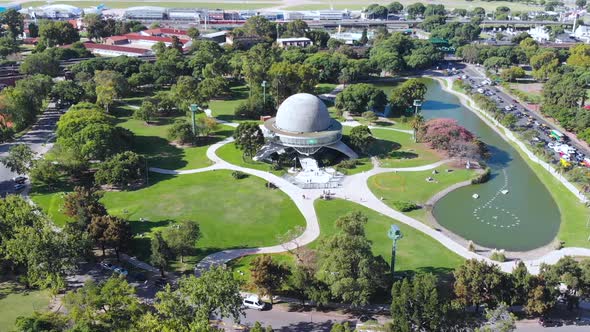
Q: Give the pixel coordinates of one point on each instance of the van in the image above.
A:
(253, 302)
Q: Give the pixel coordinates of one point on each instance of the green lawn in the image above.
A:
(225, 109)
(15, 301)
(405, 152)
(412, 186)
(168, 4)
(231, 213)
(151, 141)
(51, 203)
(416, 252)
(232, 155)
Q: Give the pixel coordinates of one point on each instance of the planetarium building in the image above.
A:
(303, 123)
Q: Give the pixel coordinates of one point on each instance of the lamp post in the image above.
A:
(394, 234)
(194, 108)
(263, 93)
(417, 104)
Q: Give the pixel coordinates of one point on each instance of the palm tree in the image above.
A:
(417, 123)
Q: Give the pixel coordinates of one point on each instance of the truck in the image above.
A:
(556, 135)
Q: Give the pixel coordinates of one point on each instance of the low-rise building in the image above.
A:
(294, 42)
(539, 33)
(115, 50)
(582, 33)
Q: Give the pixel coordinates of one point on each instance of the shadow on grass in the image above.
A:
(403, 155)
(383, 123)
(381, 147)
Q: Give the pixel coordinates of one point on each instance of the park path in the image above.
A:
(354, 189)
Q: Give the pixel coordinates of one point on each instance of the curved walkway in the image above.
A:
(354, 189)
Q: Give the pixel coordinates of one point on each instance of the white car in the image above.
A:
(253, 302)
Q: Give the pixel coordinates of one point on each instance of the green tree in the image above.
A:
(579, 56)
(248, 138)
(349, 268)
(416, 9)
(295, 28)
(512, 73)
(40, 63)
(45, 172)
(288, 79)
(581, 3)
(146, 111)
(67, 92)
(521, 284)
(416, 304)
(83, 204)
(402, 98)
(395, 7)
(181, 131)
(268, 276)
(42, 321)
(14, 22)
(111, 305)
(566, 272)
(121, 169)
(193, 33)
(361, 97)
(55, 33)
(8, 46)
(160, 252)
(20, 159)
(361, 138)
(544, 64)
(509, 120)
(478, 283)
(499, 319)
(182, 237)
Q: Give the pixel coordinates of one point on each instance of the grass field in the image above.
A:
(51, 203)
(16, 301)
(416, 252)
(412, 186)
(404, 152)
(231, 213)
(232, 155)
(151, 141)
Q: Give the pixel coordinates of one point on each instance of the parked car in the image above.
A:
(121, 271)
(19, 186)
(254, 302)
(20, 179)
(107, 265)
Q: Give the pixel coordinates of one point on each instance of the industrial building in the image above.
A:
(146, 13)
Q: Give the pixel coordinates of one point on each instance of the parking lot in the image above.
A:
(557, 145)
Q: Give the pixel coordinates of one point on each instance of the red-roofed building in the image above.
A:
(165, 32)
(116, 40)
(115, 50)
(154, 39)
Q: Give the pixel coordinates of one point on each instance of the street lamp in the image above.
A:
(264, 93)
(417, 104)
(394, 234)
(194, 108)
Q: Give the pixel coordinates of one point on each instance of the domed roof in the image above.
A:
(303, 113)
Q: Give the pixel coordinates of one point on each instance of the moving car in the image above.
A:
(19, 186)
(121, 271)
(254, 302)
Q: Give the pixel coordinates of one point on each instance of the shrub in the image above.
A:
(239, 175)
(498, 255)
(482, 177)
(181, 131)
(405, 206)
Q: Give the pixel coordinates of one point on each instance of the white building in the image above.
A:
(583, 33)
(294, 42)
(539, 33)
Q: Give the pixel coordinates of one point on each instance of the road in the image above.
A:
(476, 74)
(38, 138)
(283, 320)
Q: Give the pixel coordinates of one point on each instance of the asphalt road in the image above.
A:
(39, 138)
(478, 77)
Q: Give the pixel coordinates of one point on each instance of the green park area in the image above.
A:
(398, 149)
(251, 216)
(16, 301)
(414, 187)
(416, 251)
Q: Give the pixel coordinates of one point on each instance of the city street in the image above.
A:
(37, 138)
(477, 75)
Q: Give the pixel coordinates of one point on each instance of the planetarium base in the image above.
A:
(311, 176)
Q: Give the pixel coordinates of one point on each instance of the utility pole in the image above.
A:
(264, 93)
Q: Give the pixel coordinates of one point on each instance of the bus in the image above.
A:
(556, 135)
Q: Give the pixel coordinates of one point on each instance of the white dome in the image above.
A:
(303, 113)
